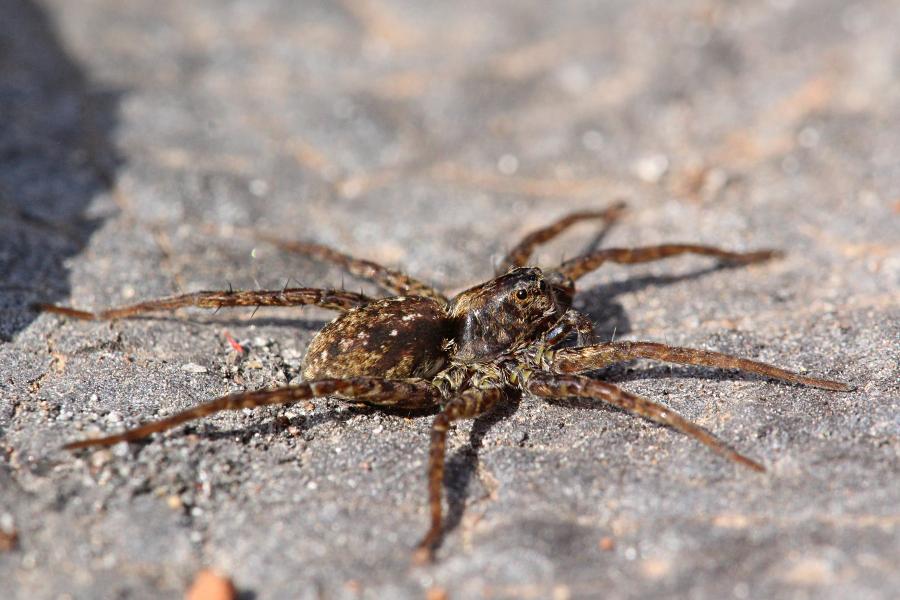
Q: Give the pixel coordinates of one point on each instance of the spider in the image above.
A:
(460, 356)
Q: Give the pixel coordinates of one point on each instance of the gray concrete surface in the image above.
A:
(430, 135)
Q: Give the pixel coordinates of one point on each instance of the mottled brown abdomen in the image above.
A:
(392, 338)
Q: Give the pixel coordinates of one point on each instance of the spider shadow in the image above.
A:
(57, 156)
(609, 316)
(462, 465)
(623, 373)
(278, 424)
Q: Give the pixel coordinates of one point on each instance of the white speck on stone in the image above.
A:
(651, 168)
(291, 354)
(574, 78)
(508, 164)
(394, 333)
(120, 450)
(193, 368)
(259, 187)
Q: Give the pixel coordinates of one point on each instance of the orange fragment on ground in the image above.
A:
(234, 343)
(9, 540)
(209, 585)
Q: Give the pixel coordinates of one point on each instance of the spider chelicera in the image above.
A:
(460, 356)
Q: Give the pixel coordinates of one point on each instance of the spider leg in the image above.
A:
(389, 279)
(333, 299)
(582, 265)
(572, 322)
(468, 405)
(410, 394)
(519, 255)
(597, 356)
(554, 386)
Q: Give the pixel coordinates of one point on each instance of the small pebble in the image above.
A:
(9, 540)
(436, 593)
(193, 368)
(651, 168)
(209, 585)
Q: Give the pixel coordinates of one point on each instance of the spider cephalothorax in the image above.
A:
(505, 312)
(460, 356)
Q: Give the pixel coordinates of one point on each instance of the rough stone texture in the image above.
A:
(430, 135)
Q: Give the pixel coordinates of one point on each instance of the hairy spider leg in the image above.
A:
(557, 387)
(571, 322)
(521, 253)
(468, 405)
(597, 356)
(389, 279)
(332, 299)
(407, 394)
(582, 265)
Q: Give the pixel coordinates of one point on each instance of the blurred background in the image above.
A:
(138, 140)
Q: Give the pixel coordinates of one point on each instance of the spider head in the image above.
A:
(505, 313)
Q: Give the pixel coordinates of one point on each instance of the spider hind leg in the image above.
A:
(332, 299)
(407, 394)
(521, 252)
(580, 266)
(392, 280)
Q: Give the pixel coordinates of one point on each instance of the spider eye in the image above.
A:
(522, 294)
(542, 286)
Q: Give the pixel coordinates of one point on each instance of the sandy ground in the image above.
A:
(138, 138)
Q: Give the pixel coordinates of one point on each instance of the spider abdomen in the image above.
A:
(394, 338)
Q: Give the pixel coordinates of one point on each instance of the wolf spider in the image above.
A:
(420, 349)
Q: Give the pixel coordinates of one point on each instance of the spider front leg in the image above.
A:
(572, 322)
(332, 299)
(557, 387)
(597, 356)
(394, 281)
(580, 266)
(407, 394)
(468, 405)
(519, 255)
